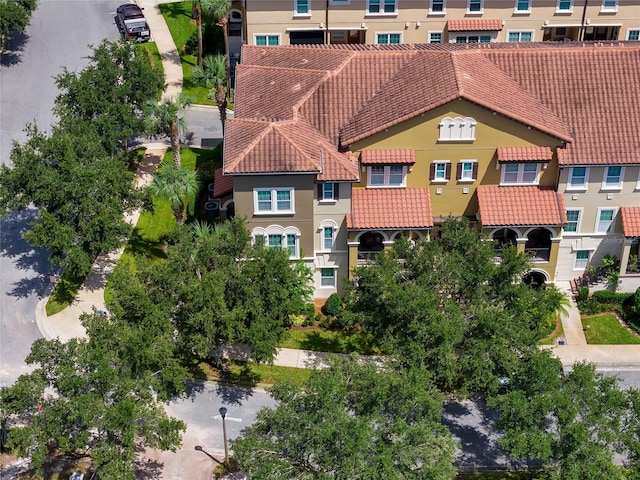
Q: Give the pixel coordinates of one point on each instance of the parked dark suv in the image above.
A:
(133, 24)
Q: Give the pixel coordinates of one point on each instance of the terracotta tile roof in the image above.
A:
(397, 208)
(402, 156)
(295, 101)
(524, 154)
(520, 206)
(602, 113)
(222, 184)
(630, 221)
(474, 25)
(416, 90)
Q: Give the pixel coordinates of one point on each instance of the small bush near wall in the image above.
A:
(627, 305)
(605, 296)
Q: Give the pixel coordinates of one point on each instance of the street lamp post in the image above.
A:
(223, 414)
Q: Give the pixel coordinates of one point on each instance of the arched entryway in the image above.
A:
(538, 245)
(371, 243)
(503, 238)
(535, 279)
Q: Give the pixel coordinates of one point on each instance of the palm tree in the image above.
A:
(211, 9)
(212, 75)
(179, 186)
(167, 119)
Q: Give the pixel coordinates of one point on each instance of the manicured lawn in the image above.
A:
(605, 329)
(181, 25)
(152, 52)
(332, 341)
(247, 373)
(63, 294)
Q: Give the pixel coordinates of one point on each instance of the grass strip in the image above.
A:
(606, 329)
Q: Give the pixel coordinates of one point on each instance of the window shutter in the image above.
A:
(448, 171)
(432, 172)
(319, 191)
(474, 173)
(335, 191)
(458, 170)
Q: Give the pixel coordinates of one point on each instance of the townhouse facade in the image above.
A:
(337, 151)
(293, 22)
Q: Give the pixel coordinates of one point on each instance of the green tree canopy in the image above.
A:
(99, 397)
(355, 420)
(81, 192)
(446, 305)
(179, 186)
(110, 92)
(15, 15)
(219, 288)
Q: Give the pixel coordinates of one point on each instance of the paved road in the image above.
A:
(27, 93)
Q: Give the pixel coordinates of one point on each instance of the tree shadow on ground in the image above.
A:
(14, 45)
(24, 256)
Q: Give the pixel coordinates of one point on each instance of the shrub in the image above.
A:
(319, 317)
(636, 301)
(212, 41)
(324, 323)
(297, 320)
(605, 296)
(583, 294)
(333, 306)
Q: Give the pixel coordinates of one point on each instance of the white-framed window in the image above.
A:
(301, 7)
(582, 259)
(467, 171)
(609, 6)
(520, 174)
(633, 34)
(278, 237)
(328, 232)
(604, 221)
(514, 36)
(376, 7)
(339, 2)
(435, 37)
(328, 277)
(578, 178)
(473, 38)
(612, 178)
(573, 221)
(328, 192)
(437, 7)
(273, 200)
(564, 6)
(522, 6)
(387, 176)
(440, 171)
(271, 39)
(388, 38)
(457, 129)
(638, 182)
(474, 6)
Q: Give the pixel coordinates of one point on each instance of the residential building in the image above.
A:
(291, 22)
(337, 151)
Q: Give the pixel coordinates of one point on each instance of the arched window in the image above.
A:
(328, 232)
(457, 129)
(275, 236)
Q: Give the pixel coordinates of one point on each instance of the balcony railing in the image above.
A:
(366, 255)
(538, 254)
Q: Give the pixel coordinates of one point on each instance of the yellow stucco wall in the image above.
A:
(492, 131)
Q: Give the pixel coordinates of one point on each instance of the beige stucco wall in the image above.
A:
(588, 202)
(492, 131)
(414, 21)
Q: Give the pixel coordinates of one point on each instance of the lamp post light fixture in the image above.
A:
(223, 414)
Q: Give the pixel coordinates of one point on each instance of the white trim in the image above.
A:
(335, 277)
(274, 201)
(521, 12)
(611, 225)
(578, 188)
(629, 30)
(638, 183)
(472, 162)
(532, 32)
(448, 123)
(389, 38)
(575, 259)
(339, 2)
(565, 11)
(580, 211)
(386, 174)
(382, 13)
(606, 9)
(431, 32)
(475, 12)
(616, 187)
(435, 171)
(297, 14)
(433, 13)
(267, 35)
(283, 232)
(328, 223)
(520, 174)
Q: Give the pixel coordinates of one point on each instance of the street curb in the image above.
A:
(41, 319)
